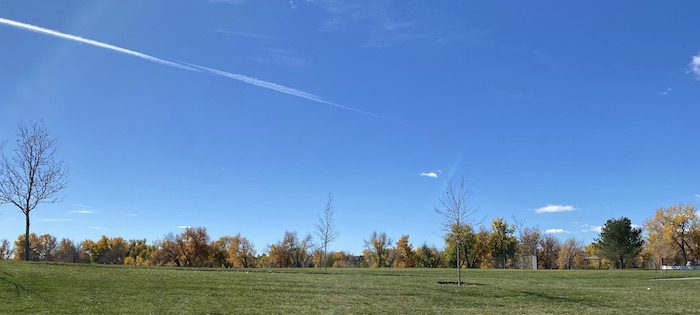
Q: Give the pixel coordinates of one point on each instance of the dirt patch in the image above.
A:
(464, 284)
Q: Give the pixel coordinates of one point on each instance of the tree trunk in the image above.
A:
(459, 275)
(26, 239)
(325, 257)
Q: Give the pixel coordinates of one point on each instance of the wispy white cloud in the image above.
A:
(55, 220)
(430, 174)
(555, 209)
(184, 66)
(697, 196)
(665, 92)
(77, 205)
(234, 2)
(636, 226)
(592, 228)
(132, 215)
(554, 231)
(93, 227)
(184, 227)
(695, 65)
(82, 211)
(244, 34)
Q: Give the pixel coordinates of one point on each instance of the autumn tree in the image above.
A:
(219, 251)
(529, 243)
(377, 249)
(32, 175)
(671, 232)
(502, 241)
(68, 251)
(240, 253)
(291, 251)
(40, 247)
(166, 252)
(473, 247)
(548, 255)
(404, 254)
(427, 256)
(455, 212)
(570, 254)
(325, 228)
(193, 244)
(6, 250)
(619, 241)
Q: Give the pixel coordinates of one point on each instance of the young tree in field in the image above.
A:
(377, 249)
(619, 241)
(456, 212)
(32, 176)
(326, 228)
(674, 226)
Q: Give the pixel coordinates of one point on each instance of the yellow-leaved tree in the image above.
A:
(671, 234)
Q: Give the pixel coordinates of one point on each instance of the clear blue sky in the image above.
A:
(591, 106)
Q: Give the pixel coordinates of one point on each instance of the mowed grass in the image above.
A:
(96, 289)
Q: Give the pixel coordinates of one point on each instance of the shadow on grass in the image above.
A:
(7, 278)
(555, 298)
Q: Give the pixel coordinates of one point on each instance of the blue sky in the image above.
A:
(590, 107)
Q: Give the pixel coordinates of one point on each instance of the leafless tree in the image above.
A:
(6, 250)
(32, 176)
(456, 212)
(326, 228)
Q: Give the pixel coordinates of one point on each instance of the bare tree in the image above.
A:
(32, 176)
(326, 228)
(456, 212)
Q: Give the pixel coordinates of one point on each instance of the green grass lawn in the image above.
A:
(59, 288)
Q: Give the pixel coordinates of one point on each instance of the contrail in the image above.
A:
(281, 89)
(185, 66)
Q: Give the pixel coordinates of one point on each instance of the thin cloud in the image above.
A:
(555, 209)
(184, 227)
(697, 196)
(665, 92)
(80, 205)
(92, 227)
(695, 65)
(55, 220)
(636, 226)
(592, 228)
(244, 34)
(234, 2)
(184, 66)
(82, 211)
(429, 174)
(554, 231)
(132, 215)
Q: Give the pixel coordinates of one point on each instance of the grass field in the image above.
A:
(58, 288)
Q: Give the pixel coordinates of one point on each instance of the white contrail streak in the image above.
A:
(281, 89)
(184, 66)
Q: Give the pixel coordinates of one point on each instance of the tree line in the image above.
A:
(673, 235)
(32, 176)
